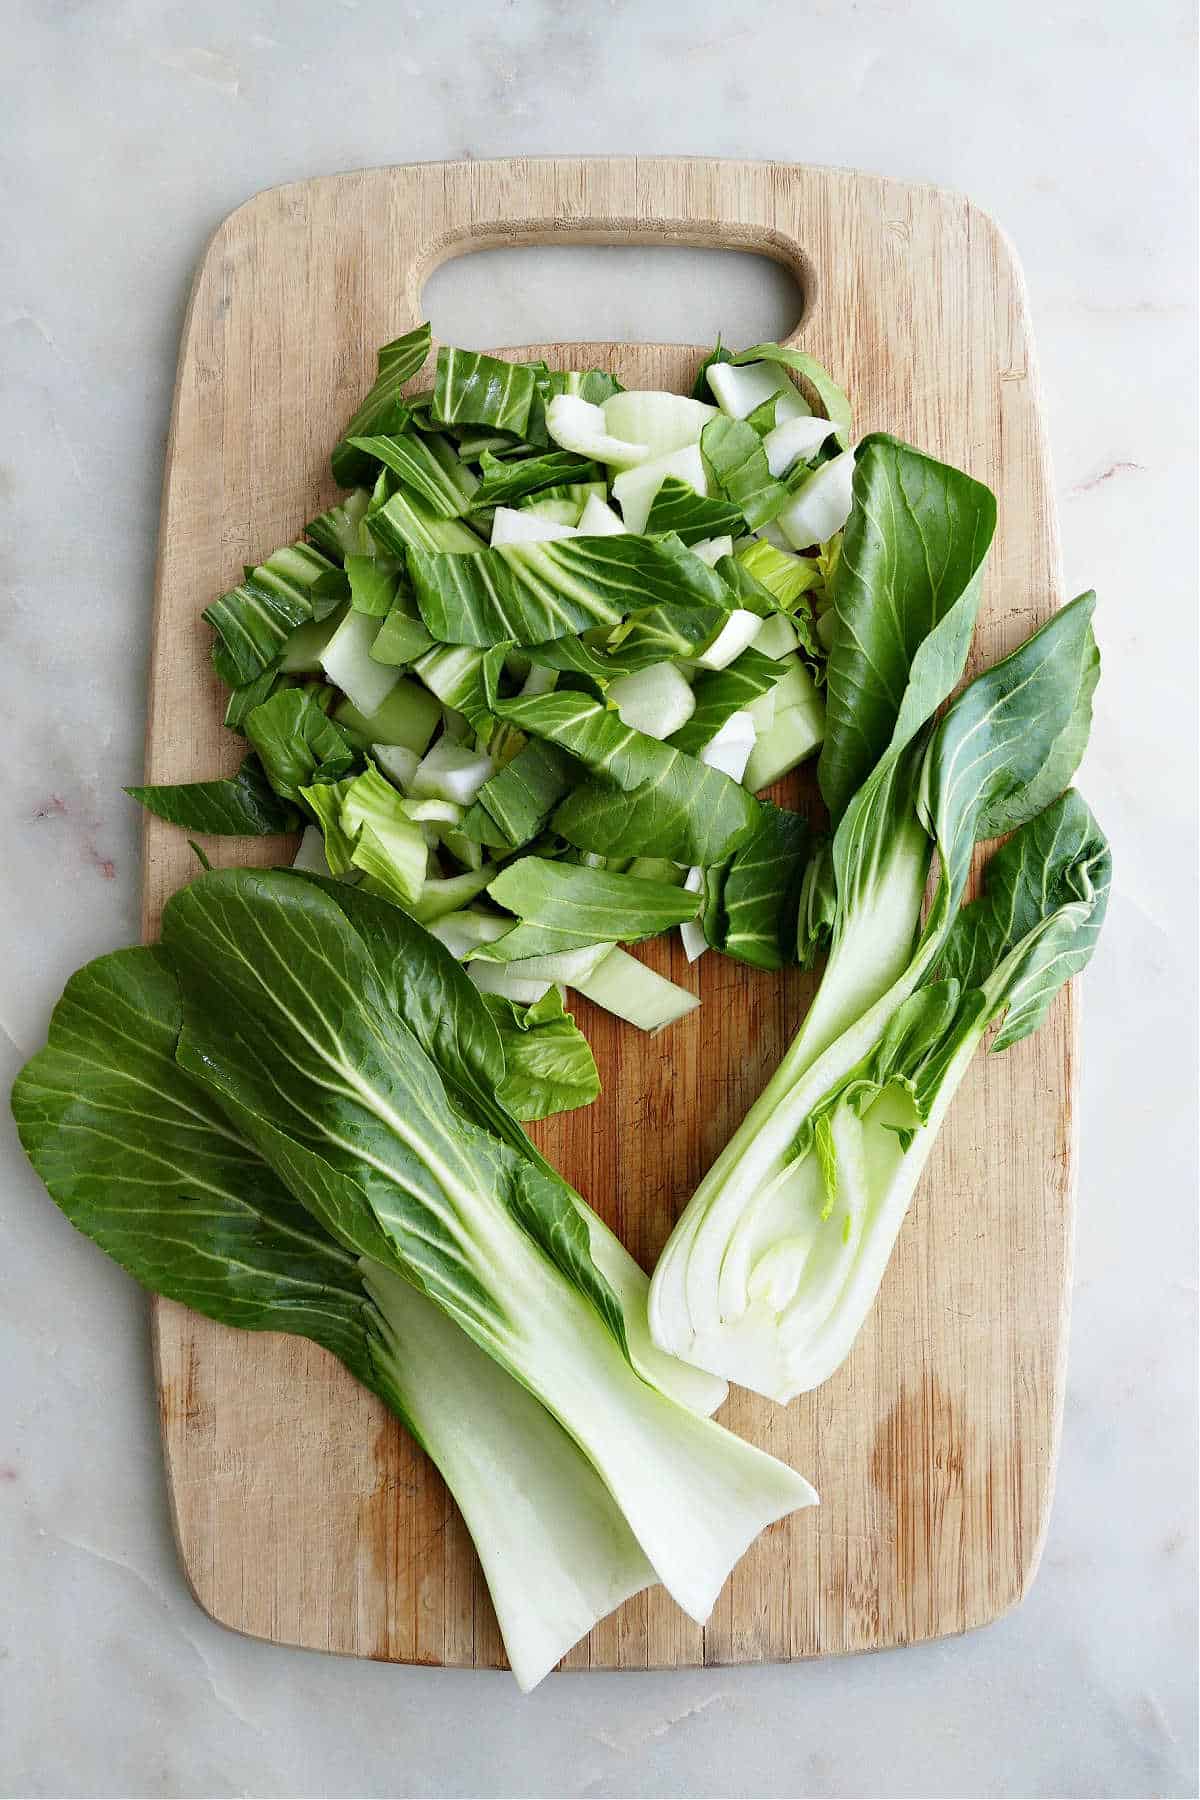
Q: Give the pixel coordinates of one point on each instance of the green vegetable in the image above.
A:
(374, 583)
(517, 801)
(570, 906)
(339, 531)
(679, 508)
(504, 482)
(833, 401)
(243, 805)
(663, 422)
(549, 1067)
(383, 410)
(349, 665)
(402, 638)
(578, 425)
(657, 700)
(472, 389)
(638, 994)
(528, 593)
(795, 729)
(463, 678)
(635, 488)
(142, 1161)
(244, 699)
(847, 1181)
(388, 844)
(301, 1044)
(653, 799)
(409, 716)
(254, 621)
(720, 693)
(784, 575)
(297, 743)
(426, 466)
(405, 522)
(752, 901)
(906, 592)
(733, 451)
(980, 762)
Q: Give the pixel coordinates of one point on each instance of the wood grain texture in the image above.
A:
(303, 1513)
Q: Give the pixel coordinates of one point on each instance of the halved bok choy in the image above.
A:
(898, 788)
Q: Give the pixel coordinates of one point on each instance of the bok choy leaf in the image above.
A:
(242, 805)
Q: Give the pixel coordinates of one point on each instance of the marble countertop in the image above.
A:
(131, 128)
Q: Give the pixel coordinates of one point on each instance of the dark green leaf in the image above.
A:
(593, 904)
(438, 480)
(242, 805)
(1036, 925)
(504, 482)
(374, 583)
(244, 699)
(520, 797)
(255, 619)
(295, 739)
(142, 1161)
(906, 593)
(1061, 762)
(733, 451)
(654, 799)
(338, 531)
(529, 593)
(760, 891)
(287, 1017)
(1002, 731)
(404, 522)
(383, 410)
(549, 1066)
(473, 389)
(679, 508)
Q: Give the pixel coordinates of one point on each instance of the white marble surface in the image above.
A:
(129, 128)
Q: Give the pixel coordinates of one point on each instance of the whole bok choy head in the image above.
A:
(142, 1160)
(759, 1263)
(345, 1048)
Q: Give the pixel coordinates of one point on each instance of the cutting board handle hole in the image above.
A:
(618, 293)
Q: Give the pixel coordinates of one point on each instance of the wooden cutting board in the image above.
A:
(303, 1512)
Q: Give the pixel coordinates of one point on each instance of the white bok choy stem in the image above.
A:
(557, 1555)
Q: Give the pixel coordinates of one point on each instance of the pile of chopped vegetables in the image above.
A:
(525, 679)
(522, 688)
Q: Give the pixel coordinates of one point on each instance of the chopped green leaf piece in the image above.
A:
(473, 389)
(529, 593)
(244, 805)
(383, 410)
(297, 743)
(679, 508)
(549, 1066)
